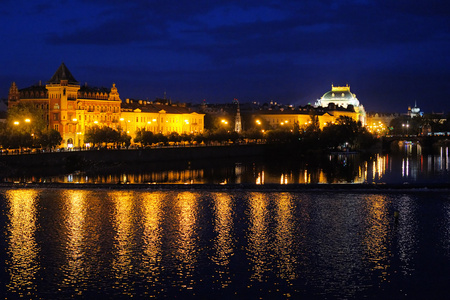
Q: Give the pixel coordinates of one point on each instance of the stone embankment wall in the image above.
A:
(130, 156)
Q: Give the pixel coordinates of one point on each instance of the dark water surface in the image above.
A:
(409, 165)
(61, 244)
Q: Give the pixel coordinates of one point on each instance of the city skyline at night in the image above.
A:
(393, 55)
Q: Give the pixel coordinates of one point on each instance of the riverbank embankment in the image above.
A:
(69, 161)
(328, 188)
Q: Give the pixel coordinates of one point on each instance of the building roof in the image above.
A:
(92, 89)
(339, 93)
(154, 108)
(62, 73)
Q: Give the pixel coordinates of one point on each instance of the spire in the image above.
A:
(237, 123)
(62, 74)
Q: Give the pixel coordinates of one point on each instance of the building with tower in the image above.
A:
(72, 109)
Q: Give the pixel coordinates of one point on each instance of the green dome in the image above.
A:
(341, 95)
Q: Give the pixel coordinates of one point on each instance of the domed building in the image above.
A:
(341, 96)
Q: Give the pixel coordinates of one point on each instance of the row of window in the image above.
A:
(102, 108)
(168, 120)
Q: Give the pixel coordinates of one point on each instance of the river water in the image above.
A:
(240, 244)
(409, 165)
(227, 243)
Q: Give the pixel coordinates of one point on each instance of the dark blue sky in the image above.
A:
(391, 53)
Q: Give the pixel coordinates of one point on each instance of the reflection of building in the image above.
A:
(70, 108)
(341, 96)
(159, 118)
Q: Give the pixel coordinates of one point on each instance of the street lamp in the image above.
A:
(407, 127)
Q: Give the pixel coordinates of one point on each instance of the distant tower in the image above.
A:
(13, 96)
(238, 123)
(415, 111)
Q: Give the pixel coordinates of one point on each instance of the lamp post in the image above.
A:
(121, 120)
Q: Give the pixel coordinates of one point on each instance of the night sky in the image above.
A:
(391, 52)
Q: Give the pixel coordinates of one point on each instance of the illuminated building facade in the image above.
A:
(378, 123)
(341, 96)
(71, 109)
(302, 116)
(159, 118)
(68, 107)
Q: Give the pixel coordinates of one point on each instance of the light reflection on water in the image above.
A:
(75, 270)
(376, 239)
(123, 225)
(224, 243)
(22, 261)
(238, 244)
(409, 166)
(186, 243)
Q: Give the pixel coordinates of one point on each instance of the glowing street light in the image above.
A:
(16, 123)
(405, 126)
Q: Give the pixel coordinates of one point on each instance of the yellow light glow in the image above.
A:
(121, 119)
(16, 122)
(27, 120)
(74, 120)
(95, 122)
(22, 263)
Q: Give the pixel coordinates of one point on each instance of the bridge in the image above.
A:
(426, 142)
